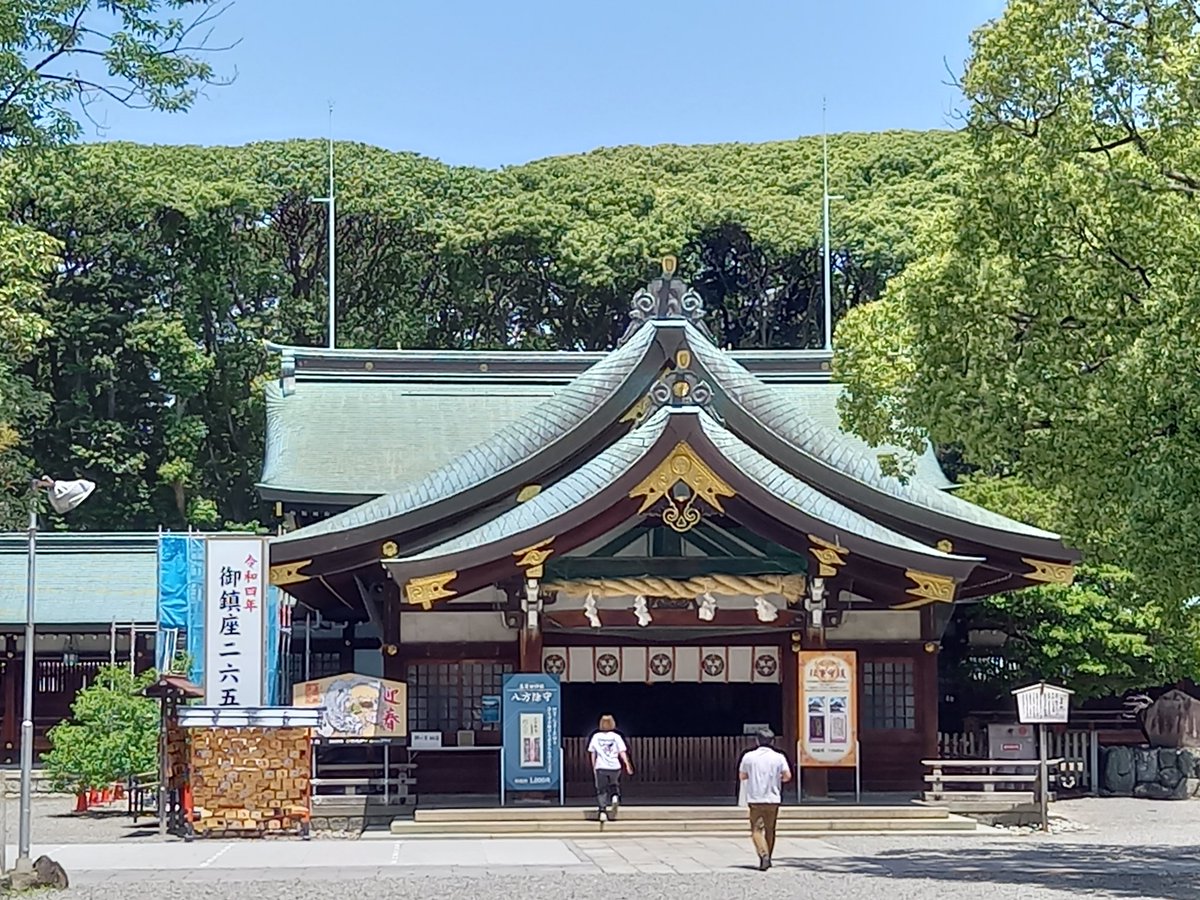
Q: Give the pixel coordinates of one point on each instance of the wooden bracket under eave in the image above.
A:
(533, 559)
(428, 589)
(830, 557)
(288, 573)
(927, 588)
(1049, 572)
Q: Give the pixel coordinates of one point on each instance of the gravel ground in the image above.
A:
(1114, 848)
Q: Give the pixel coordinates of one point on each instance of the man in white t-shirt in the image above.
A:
(764, 770)
(609, 754)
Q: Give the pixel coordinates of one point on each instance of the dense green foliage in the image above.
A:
(178, 262)
(112, 733)
(1049, 325)
(1102, 636)
(57, 57)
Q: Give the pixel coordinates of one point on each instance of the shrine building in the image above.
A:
(663, 526)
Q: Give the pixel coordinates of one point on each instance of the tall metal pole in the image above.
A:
(825, 198)
(332, 240)
(331, 202)
(24, 864)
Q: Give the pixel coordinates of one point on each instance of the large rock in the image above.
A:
(1155, 791)
(1145, 765)
(1170, 777)
(1173, 720)
(1188, 762)
(1118, 771)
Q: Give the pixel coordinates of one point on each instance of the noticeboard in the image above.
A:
(828, 708)
(356, 706)
(531, 717)
(1043, 704)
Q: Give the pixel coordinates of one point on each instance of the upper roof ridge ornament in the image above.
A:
(666, 297)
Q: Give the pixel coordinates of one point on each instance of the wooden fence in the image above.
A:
(705, 763)
(1078, 750)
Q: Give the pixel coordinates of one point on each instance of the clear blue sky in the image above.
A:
(491, 83)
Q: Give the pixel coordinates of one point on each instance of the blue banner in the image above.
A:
(173, 581)
(532, 728)
(195, 607)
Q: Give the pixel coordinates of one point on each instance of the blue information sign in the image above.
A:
(532, 706)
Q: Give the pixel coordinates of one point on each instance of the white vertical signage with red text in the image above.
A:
(235, 593)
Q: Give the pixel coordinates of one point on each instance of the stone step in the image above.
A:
(625, 828)
(666, 814)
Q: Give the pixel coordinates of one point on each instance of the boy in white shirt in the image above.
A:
(609, 753)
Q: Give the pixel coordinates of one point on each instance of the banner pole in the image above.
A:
(562, 782)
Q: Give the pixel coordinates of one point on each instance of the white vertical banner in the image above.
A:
(235, 598)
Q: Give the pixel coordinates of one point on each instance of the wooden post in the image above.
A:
(816, 780)
(530, 649)
(3, 821)
(790, 677)
(1043, 780)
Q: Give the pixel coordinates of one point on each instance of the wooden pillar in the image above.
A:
(928, 693)
(393, 662)
(790, 678)
(530, 651)
(815, 782)
(347, 650)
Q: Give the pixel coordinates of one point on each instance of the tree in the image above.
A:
(58, 57)
(112, 733)
(178, 262)
(1050, 323)
(1101, 637)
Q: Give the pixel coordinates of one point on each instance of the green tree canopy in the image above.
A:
(1048, 326)
(177, 263)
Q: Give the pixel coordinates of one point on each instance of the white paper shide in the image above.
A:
(235, 596)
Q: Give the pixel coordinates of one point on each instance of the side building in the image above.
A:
(664, 527)
(97, 603)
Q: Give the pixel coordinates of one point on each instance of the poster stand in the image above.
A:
(828, 715)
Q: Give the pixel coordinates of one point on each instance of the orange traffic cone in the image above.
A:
(118, 791)
(106, 795)
(93, 797)
(81, 804)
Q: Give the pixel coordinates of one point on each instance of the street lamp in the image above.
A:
(64, 496)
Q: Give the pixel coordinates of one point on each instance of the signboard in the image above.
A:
(235, 595)
(1042, 703)
(531, 716)
(489, 710)
(356, 706)
(828, 708)
(425, 740)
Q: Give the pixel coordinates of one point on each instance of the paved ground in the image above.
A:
(1127, 849)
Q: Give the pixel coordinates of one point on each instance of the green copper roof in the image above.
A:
(602, 470)
(549, 420)
(814, 438)
(82, 579)
(347, 438)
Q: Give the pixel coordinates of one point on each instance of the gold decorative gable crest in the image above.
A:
(428, 589)
(533, 559)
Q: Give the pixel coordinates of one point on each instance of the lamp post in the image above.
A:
(64, 496)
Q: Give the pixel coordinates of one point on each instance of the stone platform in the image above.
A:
(637, 821)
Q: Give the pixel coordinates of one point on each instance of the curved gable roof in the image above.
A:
(534, 434)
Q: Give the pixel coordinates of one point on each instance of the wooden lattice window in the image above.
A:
(447, 696)
(889, 695)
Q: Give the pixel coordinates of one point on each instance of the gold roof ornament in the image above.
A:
(428, 589)
(927, 588)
